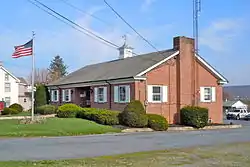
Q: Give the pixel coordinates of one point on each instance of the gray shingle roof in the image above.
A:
(229, 103)
(120, 68)
(22, 80)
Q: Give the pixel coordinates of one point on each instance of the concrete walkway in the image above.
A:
(98, 145)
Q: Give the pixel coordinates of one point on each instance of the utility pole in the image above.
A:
(196, 11)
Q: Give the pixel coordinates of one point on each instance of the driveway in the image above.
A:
(89, 146)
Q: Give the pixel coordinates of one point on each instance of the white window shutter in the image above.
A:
(63, 95)
(52, 95)
(105, 94)
(95, 94)
(164, 93)
(116, 93)
(150, 93)
(213, 94)
(127, 93)
(69, 94)
(57, 95)
(202, 94)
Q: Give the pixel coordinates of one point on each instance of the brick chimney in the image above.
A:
(186, 82)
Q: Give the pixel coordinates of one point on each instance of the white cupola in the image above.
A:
(125, 51)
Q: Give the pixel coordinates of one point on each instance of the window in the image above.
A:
(207, 94)
(100, 94)
(157, 93)
(6, 77)
(54, 95)
(66, 95)
(7, 101)
(7, 87)
(122, 94)
(24, 100)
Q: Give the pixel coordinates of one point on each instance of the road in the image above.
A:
(89, 146)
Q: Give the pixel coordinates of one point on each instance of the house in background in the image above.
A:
(237, 104)
(8, 86)
(163, 81)
(24, 94)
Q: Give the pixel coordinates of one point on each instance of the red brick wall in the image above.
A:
(184, 77)
(215, 108)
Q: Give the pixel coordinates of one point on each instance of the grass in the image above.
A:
(19, 114)
(230, 155)
(53, 127)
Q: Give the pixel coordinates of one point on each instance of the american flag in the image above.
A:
(23, 50)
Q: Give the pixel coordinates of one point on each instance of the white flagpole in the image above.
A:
(33, 77)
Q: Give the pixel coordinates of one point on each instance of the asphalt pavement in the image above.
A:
(110, 144)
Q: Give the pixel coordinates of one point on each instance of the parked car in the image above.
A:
(247, 117)
(237, 114)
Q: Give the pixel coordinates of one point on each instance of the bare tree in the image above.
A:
(41, 76)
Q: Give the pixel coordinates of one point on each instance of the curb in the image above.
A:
(205, 128)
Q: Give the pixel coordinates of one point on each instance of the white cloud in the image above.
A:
(219, 35)
(147, 4)
(76, 49)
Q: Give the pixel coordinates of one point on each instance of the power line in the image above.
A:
(130, 25)
(77, 25)
(50, 13)
(84, 12)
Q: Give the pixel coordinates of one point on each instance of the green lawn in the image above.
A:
(230, 155)
(19, 114)
(53, 127)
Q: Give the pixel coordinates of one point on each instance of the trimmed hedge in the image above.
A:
(194, 116)
(135, 106)
(68, 110)
(101, 116)
(8, 111)
(16, 107)
(133, 119)
(157, 122)
(46, 109)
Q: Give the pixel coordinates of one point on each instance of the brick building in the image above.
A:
(163, 81)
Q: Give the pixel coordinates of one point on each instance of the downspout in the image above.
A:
(110, 104)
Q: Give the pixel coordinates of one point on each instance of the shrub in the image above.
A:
(46, 109)
(16, 107)
(194, 116)
(135, 106)
(8, 111)
(41, 95)
(133, 119)
(68, 110)
(157, 122)
(101, 116)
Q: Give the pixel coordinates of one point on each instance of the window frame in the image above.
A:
(119, 93)
(100, 95)
(9, 101)
(67, 95)
(209, 94)
(6, 77)
(157, 94)
(5, 90)
(55, 92)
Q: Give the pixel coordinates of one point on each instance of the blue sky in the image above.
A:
(224, 32)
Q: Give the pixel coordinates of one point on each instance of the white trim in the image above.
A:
(224, 80)
(10, 74)
(157, 64)
(140, 78)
